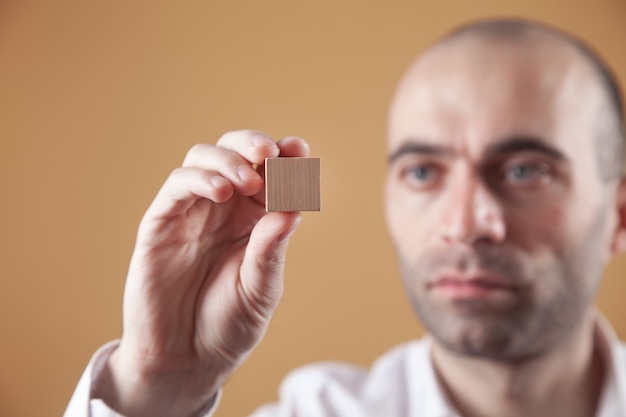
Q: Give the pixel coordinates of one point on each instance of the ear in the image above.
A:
(618, 245)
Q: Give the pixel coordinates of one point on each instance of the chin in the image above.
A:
(488, 336)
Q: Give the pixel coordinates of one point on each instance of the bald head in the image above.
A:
(524, 43)
(519, 30)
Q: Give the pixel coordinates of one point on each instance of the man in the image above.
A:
(505, 200)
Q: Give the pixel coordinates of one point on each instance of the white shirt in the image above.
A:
(401, 383)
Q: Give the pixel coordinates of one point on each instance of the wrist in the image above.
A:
(136, 394)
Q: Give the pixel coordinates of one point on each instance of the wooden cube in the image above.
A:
(292, 184)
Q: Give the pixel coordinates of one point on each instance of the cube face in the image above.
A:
(292, 184)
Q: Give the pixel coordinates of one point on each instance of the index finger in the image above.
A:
(253, 145)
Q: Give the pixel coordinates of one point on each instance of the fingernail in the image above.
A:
(245, 173)
(218, 182)
(259, 141)
(297, 139)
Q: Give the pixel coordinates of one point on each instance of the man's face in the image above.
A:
(493, 198)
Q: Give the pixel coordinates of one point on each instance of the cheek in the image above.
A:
(413, 222)
(408, 221)
(537, 229)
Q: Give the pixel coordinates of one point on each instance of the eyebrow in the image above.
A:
(524, 144)
(507, 146)
(418, 147)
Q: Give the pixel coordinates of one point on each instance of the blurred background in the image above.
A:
(99, 101)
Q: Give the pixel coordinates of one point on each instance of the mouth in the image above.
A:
(475, 287)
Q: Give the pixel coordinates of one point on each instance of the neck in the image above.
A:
(565, 381)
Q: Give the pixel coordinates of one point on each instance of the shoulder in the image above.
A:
(352, 377)
(335, 388)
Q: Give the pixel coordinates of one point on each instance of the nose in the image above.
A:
(472, 214)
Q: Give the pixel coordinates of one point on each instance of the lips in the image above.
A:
(457, 286)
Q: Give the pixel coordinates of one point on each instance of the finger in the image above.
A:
(293, 146)
(253, 145)
(229, 164)
(262, 268)
(184, 186)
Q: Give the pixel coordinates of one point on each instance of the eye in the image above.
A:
(520, 173)
(526, 174)
(421, 176)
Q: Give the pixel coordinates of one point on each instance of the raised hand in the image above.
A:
(205, 277)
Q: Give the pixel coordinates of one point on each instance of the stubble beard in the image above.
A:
(550, 300)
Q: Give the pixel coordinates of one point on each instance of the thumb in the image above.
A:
(261, 272)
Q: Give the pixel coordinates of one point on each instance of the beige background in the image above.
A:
(100, 100)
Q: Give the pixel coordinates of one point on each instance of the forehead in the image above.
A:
(474, 91)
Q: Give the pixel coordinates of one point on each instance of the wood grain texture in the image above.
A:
(292, 184)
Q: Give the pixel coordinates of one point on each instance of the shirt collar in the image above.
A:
(612, 400)
(433, 401)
